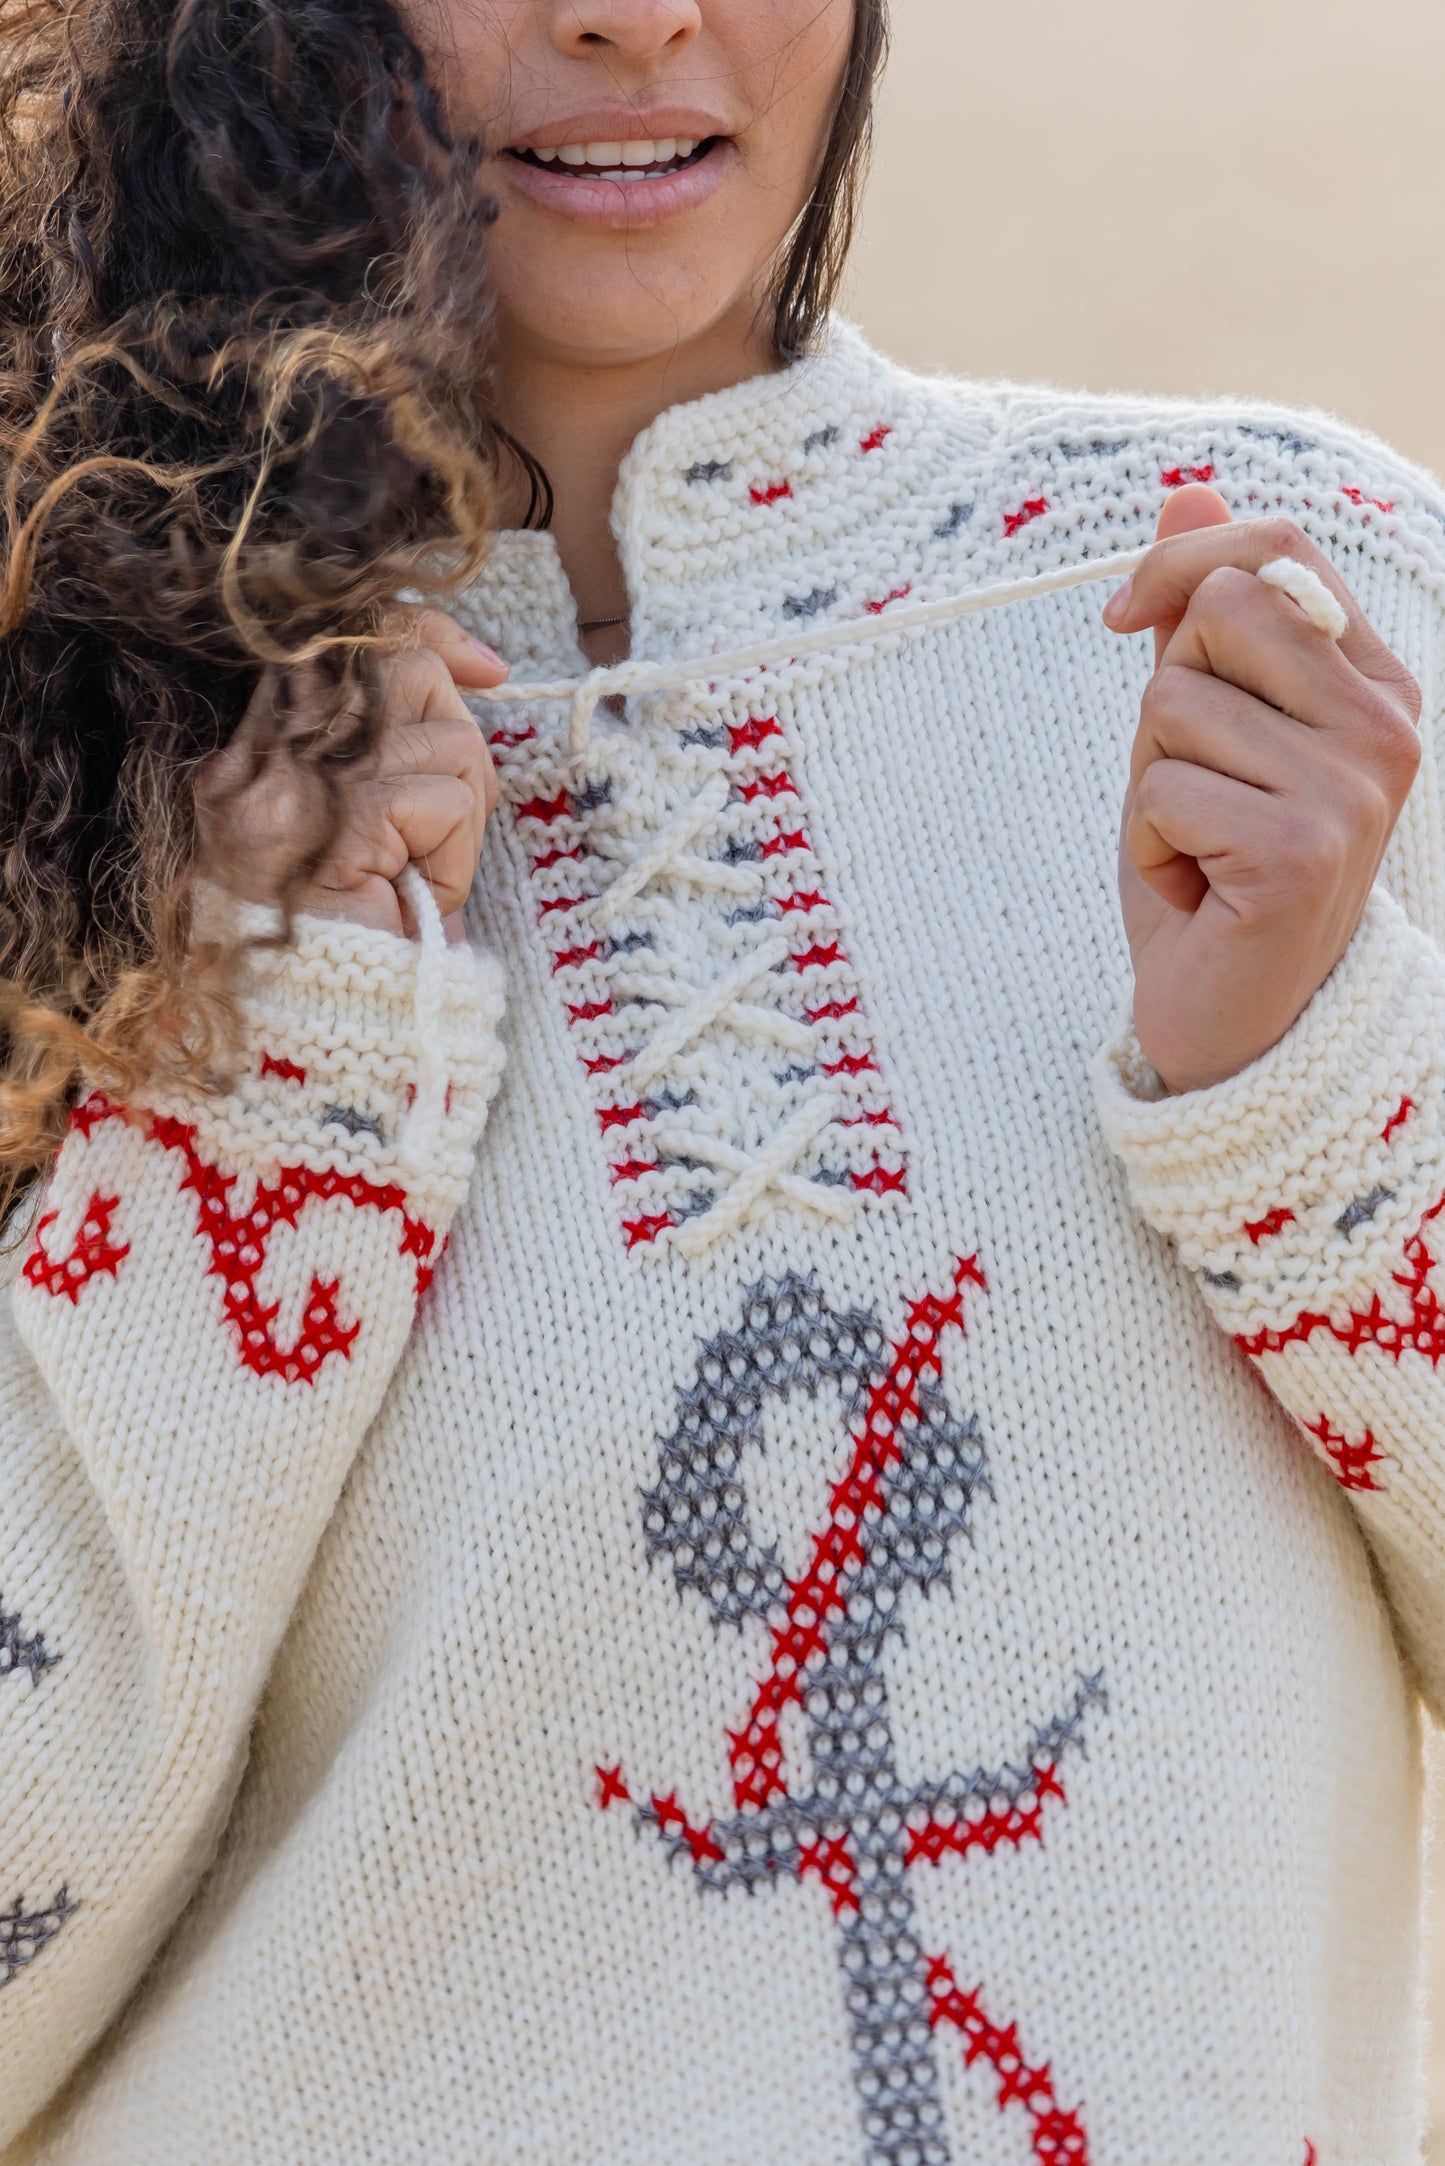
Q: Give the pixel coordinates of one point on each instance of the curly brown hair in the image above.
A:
(242, 322)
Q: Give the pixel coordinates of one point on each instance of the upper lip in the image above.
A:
(625, 125)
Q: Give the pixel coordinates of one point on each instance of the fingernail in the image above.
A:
(1116, 609)
(488, 654)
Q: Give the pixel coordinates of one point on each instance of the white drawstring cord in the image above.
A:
(428, 1108)
(667, 854)
(724, 999)
(627, 679)
(771, 1169)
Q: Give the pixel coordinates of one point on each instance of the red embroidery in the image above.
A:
(611, 1789)
(545, 809)
(604, 1063)
(508, 740)
(1263, 1229)
(640, 1231)
(1352, 1463)
(92, 1253)
(899, 594)
(756, 1751)
(876, 438)
(285, 1071)
(1174, 477)
(779, 785)
(779, 845)
(878, 1179)
(1311, 2155)
(1058, 2137)
(1025, 515)
(574, 958)
(549, 858)
(238, 1252)
(852, 1064)
(833, 1012)
(1421, 1332)
(772, 492)
(747, 736)
(1397, 1119)
(238, 1246)
(674, 1821)
(620, 1116)
(632, 1169)
(819, 956)
(588, 1011)
(825, 1837)
(1357, 496)
(1015, 1824)
(561, 902)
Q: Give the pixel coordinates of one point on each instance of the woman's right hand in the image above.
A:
(424, 799)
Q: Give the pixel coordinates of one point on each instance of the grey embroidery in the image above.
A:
(1285, 438)
(710, 470)
(26, 1934)
(957, 519)
(18, 1653)
(821, 439)
(860, 1828)
(355, 1123)
(1362, 1210)
(802, 606)
(1226, 1281)
(629, 943)
(592, 795)
(710, 740)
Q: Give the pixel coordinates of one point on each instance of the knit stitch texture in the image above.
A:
(870, 1609)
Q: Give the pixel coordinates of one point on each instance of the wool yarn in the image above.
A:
(812, 1569)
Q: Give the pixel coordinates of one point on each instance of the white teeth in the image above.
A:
(613, 160)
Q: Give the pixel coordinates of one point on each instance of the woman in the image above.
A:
(809, 1643)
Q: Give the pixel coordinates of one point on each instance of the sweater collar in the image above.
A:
(732, 513)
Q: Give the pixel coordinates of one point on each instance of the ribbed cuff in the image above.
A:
(1295, 1183)
(338, 1030)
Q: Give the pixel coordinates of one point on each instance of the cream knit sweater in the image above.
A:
(827, 1635)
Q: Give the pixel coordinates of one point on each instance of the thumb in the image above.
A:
(1185, 512)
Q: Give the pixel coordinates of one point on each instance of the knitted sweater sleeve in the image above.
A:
(1307, 1195)
(206, 1313)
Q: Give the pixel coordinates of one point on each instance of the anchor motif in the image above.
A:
(914, 1474)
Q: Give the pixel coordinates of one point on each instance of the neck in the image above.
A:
(580, 417)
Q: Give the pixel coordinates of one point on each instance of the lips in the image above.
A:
(620, 181)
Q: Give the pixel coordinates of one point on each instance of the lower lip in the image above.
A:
(627, 204)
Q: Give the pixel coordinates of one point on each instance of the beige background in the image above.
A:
(1231, 195)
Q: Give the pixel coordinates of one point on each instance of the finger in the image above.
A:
(1249, 845)
(469, 660)
(1253, 636)
(429, 729)
(430, 821)
(1188, 715)
(1164, 585)
(1187, 511)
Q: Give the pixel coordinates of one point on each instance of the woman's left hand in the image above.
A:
(1268, 772)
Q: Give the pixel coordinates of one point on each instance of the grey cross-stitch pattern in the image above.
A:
(859, 1828)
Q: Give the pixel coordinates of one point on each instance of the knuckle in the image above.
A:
(1225, 591)
(1283, 538)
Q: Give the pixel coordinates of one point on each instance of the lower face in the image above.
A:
(648, 166)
